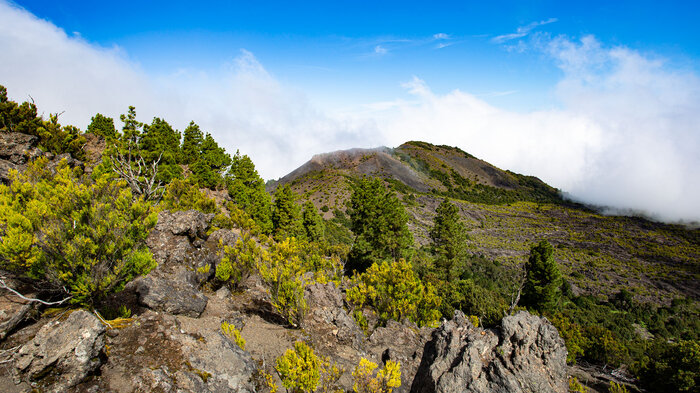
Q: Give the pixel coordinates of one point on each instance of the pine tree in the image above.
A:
(191, 144)
(448, 235)
(131, 130)
(543, 279)
(313, 223)
(286, 214)
(379, 222)
(160, 140)
(209, 164)
(247, 189)
(104, 126)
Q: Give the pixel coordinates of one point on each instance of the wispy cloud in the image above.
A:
(441, 36)
(521, 31)
(380, 50)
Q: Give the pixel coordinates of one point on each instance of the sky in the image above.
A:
(599, 99)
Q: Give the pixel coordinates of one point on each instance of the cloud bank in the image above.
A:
(625, 136)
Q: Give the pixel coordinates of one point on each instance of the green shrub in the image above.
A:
(185, 195)
(73, 235)
(671, 367)
(395, 292)
(617, 388)
(231, 332)
(299, 369)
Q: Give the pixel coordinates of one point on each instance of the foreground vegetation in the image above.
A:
(79, 235)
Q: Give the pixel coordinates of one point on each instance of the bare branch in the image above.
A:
(3, 285)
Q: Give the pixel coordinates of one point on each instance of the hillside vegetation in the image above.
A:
(416, 235)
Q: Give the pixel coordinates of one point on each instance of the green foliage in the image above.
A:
(543, 279)
(183, 195)
(393, 291)
(71, 234)
(314, 229)
(448, 236)
(299, 369)
(161, 141)
(210, 163)
(617, 388)
(191, 144)
(57, 139)
(575, 386)
(602, 346)
(472, 299)
(231, 332)
(17, 118)
(572, 334)
(671, 367)
(379, 222)
(247, 189)
(286, 214)
(385, 380)
(103, 126)
(240, 260)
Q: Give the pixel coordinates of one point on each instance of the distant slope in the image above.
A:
(506, 212)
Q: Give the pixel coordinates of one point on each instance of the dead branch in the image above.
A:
(140, 176)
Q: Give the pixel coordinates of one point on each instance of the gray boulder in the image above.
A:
(159, 353)
(190, 223)
(174, 293)
(525, 355)
(62, 353)
(16, 147)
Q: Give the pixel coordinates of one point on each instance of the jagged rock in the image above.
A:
(16, 147)
(158, 353)
(5, 167)
(192, 223)
(525, 355)
(174, 293)
(62, 353)
(226, 237)
(327, 318)
(400, 342)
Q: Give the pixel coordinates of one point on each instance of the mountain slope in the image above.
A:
(505, 213)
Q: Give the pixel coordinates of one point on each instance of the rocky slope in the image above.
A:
(174, 342)
(505, 213)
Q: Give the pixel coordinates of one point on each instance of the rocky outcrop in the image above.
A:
(526, 354)
(158, 353)
(327, 318)
(174, 293)
(62, 353)
(16, 149)
(400, 342)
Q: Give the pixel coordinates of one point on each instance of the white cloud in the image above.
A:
(380, 50)
(441, 36)
(241, 104)
(521, 31)
(626, 136)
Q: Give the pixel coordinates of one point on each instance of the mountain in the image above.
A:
(505, 213)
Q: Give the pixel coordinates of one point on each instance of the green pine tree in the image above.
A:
(312, 222)
(543, 280)
(448, 236)
(160, 140)
(209, 164)
(380, 224)
(286, 214)
(191, 144)
(247, 189)
(104, 126)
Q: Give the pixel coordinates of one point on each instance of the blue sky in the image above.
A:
(346, 52)
(598, 99)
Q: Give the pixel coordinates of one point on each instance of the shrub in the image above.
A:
(240, 260)
(83, 238)
(185, 195)
(617, 388)
(385, 380)
(394, 291)
(230, 331)
(299, 369)
(671, 367)
(575, 386)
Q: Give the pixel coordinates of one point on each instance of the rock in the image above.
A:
(191, 223)
(174, 293)
(16, 147)
(327, 319)
(226, 237)
(400, 342)
(525, 355)
(159, 353)
(62, 353)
